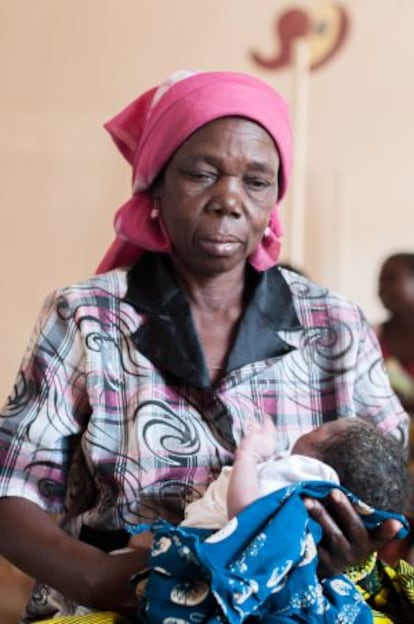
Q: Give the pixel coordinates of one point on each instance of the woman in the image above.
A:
(138, 384)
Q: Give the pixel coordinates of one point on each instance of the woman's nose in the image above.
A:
(226, 196)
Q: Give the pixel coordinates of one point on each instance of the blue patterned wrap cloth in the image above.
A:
(262, 563)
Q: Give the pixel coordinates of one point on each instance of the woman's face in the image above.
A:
(217, 193)
(396, 285)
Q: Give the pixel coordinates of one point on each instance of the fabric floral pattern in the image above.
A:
(261, 568)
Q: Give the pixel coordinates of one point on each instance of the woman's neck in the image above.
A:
(217, 303)
(214, 292)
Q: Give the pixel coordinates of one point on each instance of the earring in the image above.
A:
(155, 211)
(267, 232)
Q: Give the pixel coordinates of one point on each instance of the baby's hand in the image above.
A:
(259, 441)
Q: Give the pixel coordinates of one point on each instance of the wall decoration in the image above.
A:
(325, 28)
(306, 39)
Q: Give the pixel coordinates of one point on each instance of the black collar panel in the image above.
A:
(168, 337)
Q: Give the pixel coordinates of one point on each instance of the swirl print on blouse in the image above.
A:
(86, 396)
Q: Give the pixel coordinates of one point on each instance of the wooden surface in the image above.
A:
(14, 589)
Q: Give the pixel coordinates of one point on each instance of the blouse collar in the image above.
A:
(168, 337)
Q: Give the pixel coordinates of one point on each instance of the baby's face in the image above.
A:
(309, 443)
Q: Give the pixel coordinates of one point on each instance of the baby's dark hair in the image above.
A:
(370, 464)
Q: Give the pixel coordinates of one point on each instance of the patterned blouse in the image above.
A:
(113, 420)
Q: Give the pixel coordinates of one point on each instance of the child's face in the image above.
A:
(396, 285)
(310, 443)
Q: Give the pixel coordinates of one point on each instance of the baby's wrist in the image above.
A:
(247, 456)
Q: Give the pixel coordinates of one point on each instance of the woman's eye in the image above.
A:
(257, 183)
(201, 176)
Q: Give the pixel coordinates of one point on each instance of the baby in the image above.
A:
(249, 534)
(348, 451)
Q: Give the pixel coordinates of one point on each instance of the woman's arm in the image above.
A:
(46, 414)
(31, 540)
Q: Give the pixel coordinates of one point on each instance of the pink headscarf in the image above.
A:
(152, 127)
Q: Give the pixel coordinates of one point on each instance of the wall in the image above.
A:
(66, 67)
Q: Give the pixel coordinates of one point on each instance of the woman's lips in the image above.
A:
(219, 244)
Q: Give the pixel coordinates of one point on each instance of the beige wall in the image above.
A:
(67, 66)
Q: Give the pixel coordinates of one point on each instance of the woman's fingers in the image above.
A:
(334, 550)
(387, 531)
(345, 539)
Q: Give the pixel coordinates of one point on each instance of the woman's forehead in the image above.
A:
(219, 136)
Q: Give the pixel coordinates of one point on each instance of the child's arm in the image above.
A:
(243, 485)
(257, 446)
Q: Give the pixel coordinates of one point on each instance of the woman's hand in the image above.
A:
(345, 539)
(32, 541)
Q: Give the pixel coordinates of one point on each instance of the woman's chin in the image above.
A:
(217, 264)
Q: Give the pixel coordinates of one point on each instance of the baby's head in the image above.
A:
(368, 462)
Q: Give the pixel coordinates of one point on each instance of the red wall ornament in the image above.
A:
(325, 28)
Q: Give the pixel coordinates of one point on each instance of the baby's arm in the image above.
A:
(257, 446)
